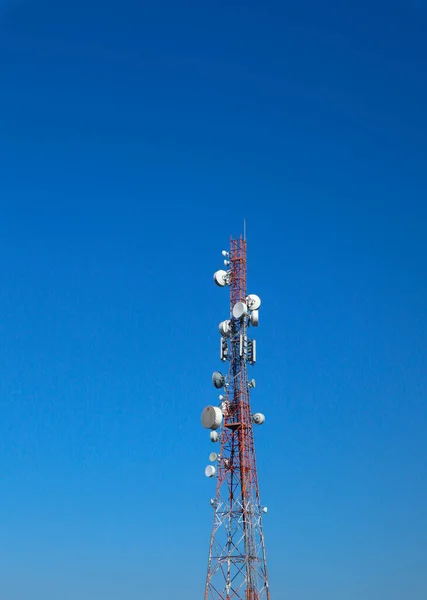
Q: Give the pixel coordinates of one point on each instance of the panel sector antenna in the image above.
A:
(237, 568)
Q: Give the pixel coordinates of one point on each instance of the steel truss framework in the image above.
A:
(237, 568)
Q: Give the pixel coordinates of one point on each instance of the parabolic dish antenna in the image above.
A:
(210, 471)
(214, 436)
(254, 301)
(220, 278)
(255, 318)
(211, 417)
(213, 456)
(218, 380)
(225, 328)
(240, 310)
(258, 418)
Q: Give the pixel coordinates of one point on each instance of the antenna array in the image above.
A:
(237, 568)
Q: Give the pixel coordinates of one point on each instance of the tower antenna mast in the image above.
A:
(237, 568)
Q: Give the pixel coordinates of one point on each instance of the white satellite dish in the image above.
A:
(225, 328)
(224, 253)
(252, 383)
(214, 436)
(240, 310)
(210, 471)
(211, 417)
(213, 456)
(218, 379)
(255, 318)
(264, 510)
(221, 278)
(258, 418)
(254, 301)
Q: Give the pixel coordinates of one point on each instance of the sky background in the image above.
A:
(134, 139)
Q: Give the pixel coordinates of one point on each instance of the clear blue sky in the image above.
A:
(134, 138)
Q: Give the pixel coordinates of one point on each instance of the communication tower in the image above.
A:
(237, 568)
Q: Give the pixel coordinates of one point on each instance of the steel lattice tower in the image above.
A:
(237, 568)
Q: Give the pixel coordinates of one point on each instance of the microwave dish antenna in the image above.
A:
(240, 310)
(253, 301)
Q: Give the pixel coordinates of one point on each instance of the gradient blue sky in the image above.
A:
(134, 138)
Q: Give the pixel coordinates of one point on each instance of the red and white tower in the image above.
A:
(237, 568)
